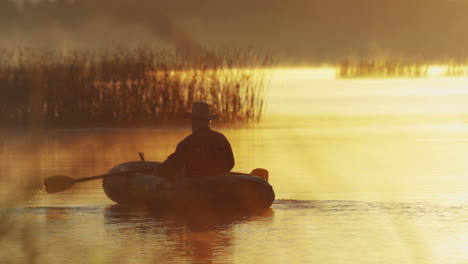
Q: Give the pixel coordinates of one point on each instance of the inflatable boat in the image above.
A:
(235, 192)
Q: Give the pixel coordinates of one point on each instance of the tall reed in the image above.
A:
(127, 87)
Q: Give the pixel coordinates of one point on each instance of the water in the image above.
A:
(294, 231)
(365, 171)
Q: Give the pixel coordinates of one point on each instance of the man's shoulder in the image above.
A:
(219, 138)
(185, 141)
(211, 136)
(187, 137)
(218, 134)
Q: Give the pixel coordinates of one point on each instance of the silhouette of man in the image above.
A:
(203, 153)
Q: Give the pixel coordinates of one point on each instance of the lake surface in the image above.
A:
(365, 171)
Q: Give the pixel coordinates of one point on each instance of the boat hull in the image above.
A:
(235, 192)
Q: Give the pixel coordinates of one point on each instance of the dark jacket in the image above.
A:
(205, 153)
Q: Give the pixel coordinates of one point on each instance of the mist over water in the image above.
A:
(91, 24)
(298, 32)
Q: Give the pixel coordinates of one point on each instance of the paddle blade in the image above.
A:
(58, 183)
(262, 173)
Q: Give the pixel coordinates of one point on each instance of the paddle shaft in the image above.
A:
(103, 175)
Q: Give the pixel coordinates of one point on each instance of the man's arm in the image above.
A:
(173, 164)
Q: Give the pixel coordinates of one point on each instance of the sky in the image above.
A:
(295, 32)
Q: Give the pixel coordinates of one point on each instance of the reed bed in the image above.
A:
(394, 68)
(456, 70)
(127, 87)
(391, 68)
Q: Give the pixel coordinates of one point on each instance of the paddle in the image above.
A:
(60, 183)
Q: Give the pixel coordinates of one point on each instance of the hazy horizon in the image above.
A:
(296, 32)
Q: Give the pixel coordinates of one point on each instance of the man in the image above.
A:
(203, 153)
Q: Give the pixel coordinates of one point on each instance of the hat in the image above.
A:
(201, 110)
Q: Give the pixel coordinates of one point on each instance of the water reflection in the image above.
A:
(294, 231)
(204, 238)
(122, 214)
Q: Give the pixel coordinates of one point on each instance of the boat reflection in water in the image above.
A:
(175, 237)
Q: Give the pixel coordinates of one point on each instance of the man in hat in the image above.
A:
(203, 153)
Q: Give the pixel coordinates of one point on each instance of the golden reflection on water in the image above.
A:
(293, 231)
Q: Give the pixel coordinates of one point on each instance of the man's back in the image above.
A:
(205, 153)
